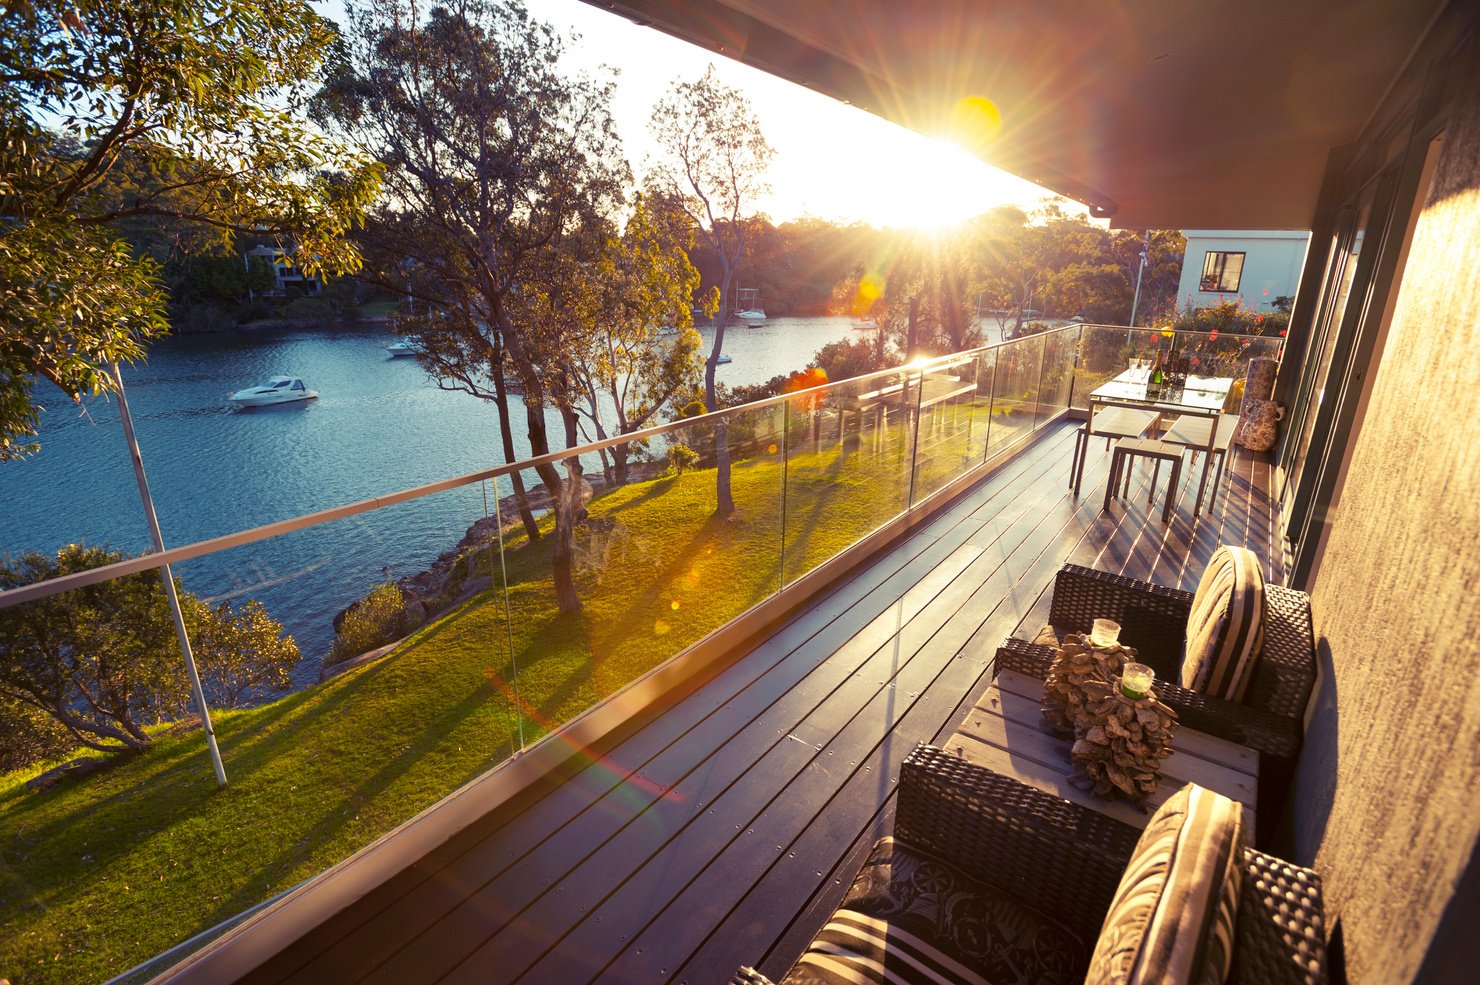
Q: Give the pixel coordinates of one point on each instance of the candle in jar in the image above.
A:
(1106, 632)
(1136, 680)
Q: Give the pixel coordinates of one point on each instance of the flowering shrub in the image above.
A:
(1230, 316)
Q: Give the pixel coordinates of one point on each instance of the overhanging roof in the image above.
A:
(1163, 113)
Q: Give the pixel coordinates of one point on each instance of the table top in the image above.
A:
(1007, 734)
(1202, 393)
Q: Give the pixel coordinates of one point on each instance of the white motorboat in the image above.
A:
(865, 324)
(278, 390)
(405, 347)
(724, 357)
(754, 317)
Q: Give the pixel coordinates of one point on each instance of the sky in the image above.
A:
(832, 161)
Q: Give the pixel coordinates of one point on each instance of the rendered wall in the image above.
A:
(1272, 265)
(1387, 801)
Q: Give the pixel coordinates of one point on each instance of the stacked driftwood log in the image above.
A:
(1119, 742)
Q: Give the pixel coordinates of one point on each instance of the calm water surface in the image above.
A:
(379, 425)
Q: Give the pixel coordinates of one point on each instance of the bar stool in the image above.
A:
(1114, 422)
(1193, 432)
(1127, 450)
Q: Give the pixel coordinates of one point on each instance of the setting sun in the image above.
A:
(833, 161)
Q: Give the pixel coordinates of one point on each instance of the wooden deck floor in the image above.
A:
(723, 830)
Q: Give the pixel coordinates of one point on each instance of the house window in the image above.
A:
(1222, 271)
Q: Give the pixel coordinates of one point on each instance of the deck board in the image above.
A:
(726, 826)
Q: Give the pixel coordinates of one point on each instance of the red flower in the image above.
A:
(1282, 333)
(1213, 334)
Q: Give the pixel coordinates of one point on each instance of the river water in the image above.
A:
(379, 426)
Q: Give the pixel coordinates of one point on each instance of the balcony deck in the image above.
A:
(722, 830)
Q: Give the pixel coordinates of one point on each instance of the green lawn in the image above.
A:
(106, 872)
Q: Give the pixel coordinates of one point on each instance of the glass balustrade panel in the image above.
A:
(954, 414)
(1015, 392)
(635, 553)
(1057, 377)
(849, 450)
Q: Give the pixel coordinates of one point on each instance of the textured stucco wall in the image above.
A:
(1387, 799)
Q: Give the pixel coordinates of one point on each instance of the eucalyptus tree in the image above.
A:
(642, 358)
(494, 159)
(118, 112)
(714, 161)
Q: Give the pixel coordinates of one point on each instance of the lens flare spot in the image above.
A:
(674, 605)
(771, 448)
(661, 628)
(870, 289)
(975, 121)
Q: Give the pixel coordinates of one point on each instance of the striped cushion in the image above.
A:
(912, 917)
(1172, 917)
(1226, 629)
(856, 948)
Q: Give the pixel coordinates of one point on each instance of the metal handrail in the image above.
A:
(146, 562)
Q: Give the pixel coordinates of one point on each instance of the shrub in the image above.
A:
(377, 619)
(308, 309)
(29, 735)
(255, 310)
(681, 458)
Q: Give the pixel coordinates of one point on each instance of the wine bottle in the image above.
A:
(1157, 379)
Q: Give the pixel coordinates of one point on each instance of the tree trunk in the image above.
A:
(725, 504)
(562, 561)
(506, 436)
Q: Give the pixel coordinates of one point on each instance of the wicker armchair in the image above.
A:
(1153, 619)
(1056, 857)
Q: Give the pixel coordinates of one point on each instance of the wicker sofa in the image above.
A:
(1153, 619)
(1050, 857)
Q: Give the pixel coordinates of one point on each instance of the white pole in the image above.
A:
(1136, 301)
(169, 579)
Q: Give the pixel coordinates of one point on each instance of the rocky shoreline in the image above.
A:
(450, 579)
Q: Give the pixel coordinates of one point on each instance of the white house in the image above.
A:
(1252, 265)
(285, 273)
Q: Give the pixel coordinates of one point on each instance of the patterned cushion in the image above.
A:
(911, 917)
(1226, 629)
(1172, 917)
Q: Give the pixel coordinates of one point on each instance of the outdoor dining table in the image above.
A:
(1200, 396)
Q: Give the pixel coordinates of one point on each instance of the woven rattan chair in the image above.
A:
(1153, 619)
(1057, 858)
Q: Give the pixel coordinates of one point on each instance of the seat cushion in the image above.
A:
(1172, 917)
(1225, 630)
(911, 917)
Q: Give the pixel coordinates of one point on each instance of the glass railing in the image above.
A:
(621, 555)
(1105, 351)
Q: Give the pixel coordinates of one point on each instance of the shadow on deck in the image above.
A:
(723, 829)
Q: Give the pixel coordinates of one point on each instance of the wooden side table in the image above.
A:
(1006, 733)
